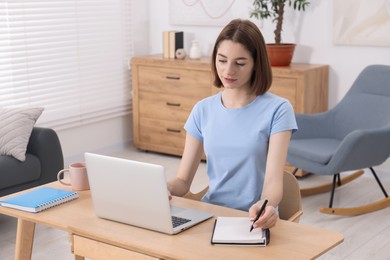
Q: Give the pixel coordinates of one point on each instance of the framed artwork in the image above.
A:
(207, 12)
(361, 22)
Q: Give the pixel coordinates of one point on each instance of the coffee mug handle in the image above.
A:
(59, 177)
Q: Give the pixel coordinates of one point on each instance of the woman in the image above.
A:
(243, 130)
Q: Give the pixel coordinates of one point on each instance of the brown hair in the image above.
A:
(246, 33)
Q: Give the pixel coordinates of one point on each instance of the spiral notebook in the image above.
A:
(39, 199)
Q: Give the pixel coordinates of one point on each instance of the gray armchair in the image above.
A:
(354, 135)
(43, 161)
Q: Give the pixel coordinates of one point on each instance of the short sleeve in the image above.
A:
(193, 124)
(284, 119)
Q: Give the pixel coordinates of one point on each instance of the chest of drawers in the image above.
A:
(165, 90)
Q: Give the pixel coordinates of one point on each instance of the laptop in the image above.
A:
(136, 193)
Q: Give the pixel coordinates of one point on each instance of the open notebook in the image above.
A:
(236, 231)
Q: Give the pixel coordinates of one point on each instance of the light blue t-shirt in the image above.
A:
(236, 145)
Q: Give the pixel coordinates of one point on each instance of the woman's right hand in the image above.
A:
(267, 220)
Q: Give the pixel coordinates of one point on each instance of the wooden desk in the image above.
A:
(102, 239)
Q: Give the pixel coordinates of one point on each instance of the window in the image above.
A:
(68, 56)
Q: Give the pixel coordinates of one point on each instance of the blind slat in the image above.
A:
(67, 56)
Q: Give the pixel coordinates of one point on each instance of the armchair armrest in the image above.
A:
(44, 144)
(361, 148)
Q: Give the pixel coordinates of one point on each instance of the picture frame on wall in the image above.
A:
(361, 22)
(207, 12)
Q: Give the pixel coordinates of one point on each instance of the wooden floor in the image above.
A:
(366, 236)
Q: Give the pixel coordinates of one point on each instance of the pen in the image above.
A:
(259, 214)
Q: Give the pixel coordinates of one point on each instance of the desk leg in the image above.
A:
(24, 239)
(76, 257)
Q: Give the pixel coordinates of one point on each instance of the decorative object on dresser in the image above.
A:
(195, 51)
(176, 41)
(165, 90)
(165, 41)
(180, 54)
(172, 41)
(280, 54)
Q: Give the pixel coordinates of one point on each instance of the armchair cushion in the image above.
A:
(16, 125)
(308, 148)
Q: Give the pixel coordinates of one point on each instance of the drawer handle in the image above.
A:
(173, 77)
(173, 104)
(173, 130)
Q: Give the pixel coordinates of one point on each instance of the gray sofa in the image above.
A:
(43, 161)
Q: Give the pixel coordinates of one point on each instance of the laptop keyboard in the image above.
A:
(177, 221)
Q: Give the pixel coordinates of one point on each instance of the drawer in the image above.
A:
(166, 107)
(160, 132)
(193, 83)
(97, 250)
(286, 88)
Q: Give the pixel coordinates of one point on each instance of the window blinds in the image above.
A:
(68, 56)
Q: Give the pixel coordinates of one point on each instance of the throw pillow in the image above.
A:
(16, 125)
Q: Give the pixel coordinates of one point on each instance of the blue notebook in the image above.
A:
(39, 199)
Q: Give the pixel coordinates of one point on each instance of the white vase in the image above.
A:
(195, 52)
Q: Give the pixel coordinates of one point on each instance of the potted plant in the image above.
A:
(280, 54)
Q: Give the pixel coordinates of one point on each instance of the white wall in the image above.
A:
(311, 30)
(103, 137)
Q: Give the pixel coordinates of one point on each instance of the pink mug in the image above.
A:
(77, 175)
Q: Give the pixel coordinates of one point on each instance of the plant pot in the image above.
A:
(280, 54)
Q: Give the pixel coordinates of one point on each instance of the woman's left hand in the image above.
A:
(267, 220)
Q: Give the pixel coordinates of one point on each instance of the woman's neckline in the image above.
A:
(236, 104)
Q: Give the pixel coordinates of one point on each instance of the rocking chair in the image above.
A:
(352, 136)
